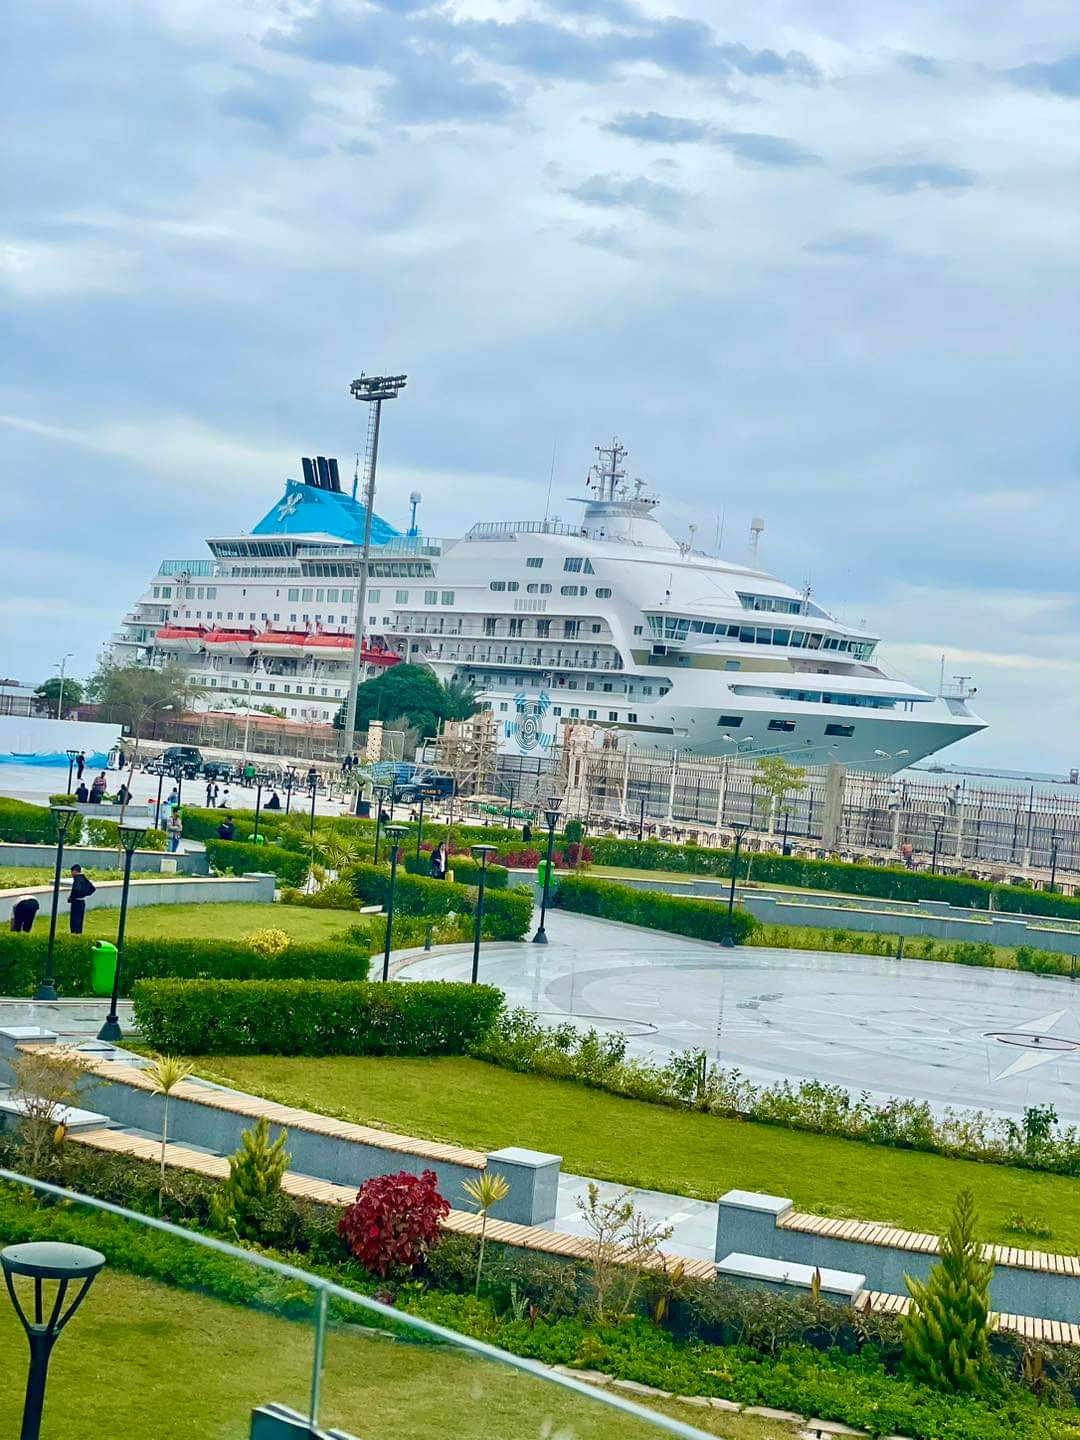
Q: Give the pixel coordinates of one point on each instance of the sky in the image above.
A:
(814, 262)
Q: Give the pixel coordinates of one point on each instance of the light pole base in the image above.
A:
(46, 991)
(727, 941)
(540, 938)
(111, 1031)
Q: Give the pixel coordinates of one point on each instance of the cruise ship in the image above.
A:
(607, 622)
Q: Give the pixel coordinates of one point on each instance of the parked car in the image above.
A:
(185, 760)
(219, 770)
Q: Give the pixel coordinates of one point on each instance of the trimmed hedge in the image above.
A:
(106, 833)
(22, 961)
(34, 824)
(304, 1017)
(233, 857)
(507, 913)
(883, 882)
(702, 919)
(466, 870)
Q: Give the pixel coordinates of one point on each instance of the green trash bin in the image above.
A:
(542, 869)
(102, 967)
(258, 839)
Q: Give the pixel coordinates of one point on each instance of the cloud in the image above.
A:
(850, 244)
(277, 104)
(747, 147)
(1051, 77)
(44, 270)
(648, 197)
(609, 238)
(907, 176)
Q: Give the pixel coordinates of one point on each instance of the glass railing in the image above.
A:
(182, 1335)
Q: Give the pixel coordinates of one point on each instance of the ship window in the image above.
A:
(374, 596)
(431, 597)
(591, 715)
(732, 664)
(574, 712)
(320, 595)
(612, 714)
(845, 730)
(639, 629)
(730, 722)
(305, 594)
(603, 592)
(401, 597)
(534, 562)
(498, 585)
(781, 637)
(572, 563)
(556, 710)
(786, 725)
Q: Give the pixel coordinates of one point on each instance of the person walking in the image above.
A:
(176, 831)
(80, 764)
(438, 862)
(312, 778)
(24, 913)
(121, 759)
(98, 788)
(81, 890)
(526, 833)
(249, 773)
(209, 794)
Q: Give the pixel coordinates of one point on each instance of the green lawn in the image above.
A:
(12, 876)
(224, 922)
(145, 1360)
(478, 1105)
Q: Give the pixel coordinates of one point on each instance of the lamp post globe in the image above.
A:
(551, 817)
(393, 834)
(44, 1263)
(129, 838)
(481, 854)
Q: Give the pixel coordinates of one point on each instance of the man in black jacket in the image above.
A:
(81, 889)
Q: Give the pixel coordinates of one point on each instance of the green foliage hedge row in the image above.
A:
(702, 919)
(507, 913)
(22, 961)
(34, 824)
(106, 833)
(466, 870)
(881, 881)
(306, 1017)
(233, 857)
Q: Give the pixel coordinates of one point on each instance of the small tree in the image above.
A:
(623, 1242)
(255, 1173)
(165, 1073)
(394, 1221)
(945, 1332)
(485, 1191)
(776, 779)
(67, 692)
(45, 1081)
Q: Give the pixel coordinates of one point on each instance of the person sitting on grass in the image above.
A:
(274, 802)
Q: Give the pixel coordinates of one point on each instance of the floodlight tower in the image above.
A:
(373, 390)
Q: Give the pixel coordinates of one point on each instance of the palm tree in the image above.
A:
(485, 1191)
(165, 1073)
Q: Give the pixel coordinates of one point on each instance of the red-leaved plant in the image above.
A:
(394, 1221)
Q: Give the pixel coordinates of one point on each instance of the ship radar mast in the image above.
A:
(608, 474)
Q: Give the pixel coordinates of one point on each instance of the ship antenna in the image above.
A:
(356, 476)
(551, 480)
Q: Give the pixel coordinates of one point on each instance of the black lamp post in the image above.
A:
(786, 846)
(314, 791)
(41, 1261)
(727, 938)
(72, 755)
(1055, 841)
(380, 795)
(129, 839)
(290, 781)
(394, 834)
(258, 807)
(641, 816)
(510, 808)
(551, 815)
(65, 814)
(420, 826)
(482, 854)
(938, 826)
(157, 807)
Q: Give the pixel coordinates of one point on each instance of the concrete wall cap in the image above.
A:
(754, 1200)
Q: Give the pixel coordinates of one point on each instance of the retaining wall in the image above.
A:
(101, 857)
(1025, 1282)
(181, 890)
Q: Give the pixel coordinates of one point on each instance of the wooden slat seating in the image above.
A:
(872, 1233)
(523, 1237)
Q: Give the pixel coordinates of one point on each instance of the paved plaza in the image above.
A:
(950, 1034)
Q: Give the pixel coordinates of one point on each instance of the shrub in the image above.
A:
(394, 1221)
(294, 1017)
(233, 857)
(335, 895)
(34, 824)
(703, 919)
(22, 958)
(106, 833)
(254, 1182)
(466, 870)
(507, 913)
(945, 1333)
(268, 942)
